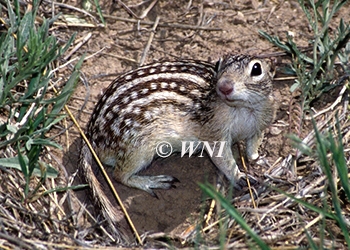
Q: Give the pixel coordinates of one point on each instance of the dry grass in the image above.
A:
(58, 220)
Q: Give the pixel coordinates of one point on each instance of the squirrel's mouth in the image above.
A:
(234, 102)
(242, 98)
(232, 98)
(240, 102)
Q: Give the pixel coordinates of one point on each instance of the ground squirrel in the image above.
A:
(174, 102)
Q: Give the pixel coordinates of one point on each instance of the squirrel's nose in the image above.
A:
(226, 89)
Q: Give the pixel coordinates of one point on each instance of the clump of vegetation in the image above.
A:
(29, 107)
(315, 72)
(326, 67)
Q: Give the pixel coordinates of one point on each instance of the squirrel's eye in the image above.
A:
(256, 70)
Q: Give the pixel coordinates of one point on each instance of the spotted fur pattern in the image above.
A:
(138, 97)
(177, 101)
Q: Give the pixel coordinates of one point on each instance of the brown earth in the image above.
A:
(119, 48)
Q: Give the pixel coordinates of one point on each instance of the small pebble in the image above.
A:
(239, 18)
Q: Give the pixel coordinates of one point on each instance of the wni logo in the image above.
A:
(214, 149)
(194, 147)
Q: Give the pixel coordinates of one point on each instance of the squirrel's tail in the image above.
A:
(109, 212)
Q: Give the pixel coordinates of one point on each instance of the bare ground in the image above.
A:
(204, 31)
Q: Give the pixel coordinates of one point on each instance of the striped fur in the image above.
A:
(177, 101)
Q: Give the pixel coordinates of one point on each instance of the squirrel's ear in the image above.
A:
(272, 63)
(218, 65)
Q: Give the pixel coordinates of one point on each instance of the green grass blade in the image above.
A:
(322, 152)
(339, 159)
(99, 11)
(14, 163)
(306, 204)
(211, 192)
(66, 92)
